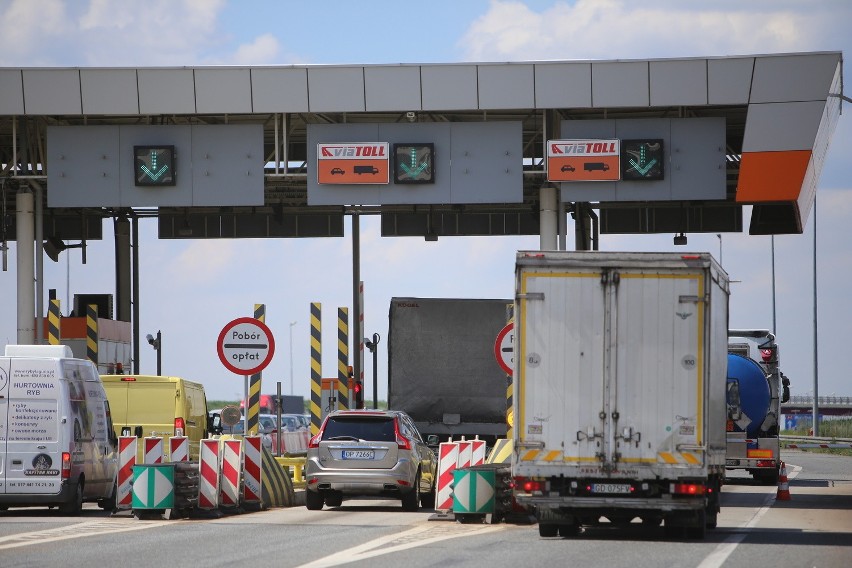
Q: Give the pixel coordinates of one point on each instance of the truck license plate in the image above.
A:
(620, 488)
(358, 454)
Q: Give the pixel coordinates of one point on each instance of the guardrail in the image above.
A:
(808, 442)
(821, 401)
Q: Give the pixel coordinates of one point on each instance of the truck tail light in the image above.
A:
(66, 465)
(180, 426)
(687, 489)
(765, 463)
(528, 485)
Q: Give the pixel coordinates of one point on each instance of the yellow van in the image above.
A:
(150, 405)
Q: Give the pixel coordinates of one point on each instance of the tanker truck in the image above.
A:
(756, 387)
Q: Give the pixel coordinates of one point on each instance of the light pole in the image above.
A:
(373, 346)
(157, 344)
(292, 323)
(720, 248)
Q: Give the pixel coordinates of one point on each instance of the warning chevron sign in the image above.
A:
(153, 486)
(473, 491)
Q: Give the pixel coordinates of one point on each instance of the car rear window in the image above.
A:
(372, 428)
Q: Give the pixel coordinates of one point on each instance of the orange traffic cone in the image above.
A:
(783, 489)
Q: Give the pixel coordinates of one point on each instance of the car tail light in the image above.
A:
(687, 489)
(401, 441)
(180, 426)
(314, 441)
(128, 379)
(66, 465)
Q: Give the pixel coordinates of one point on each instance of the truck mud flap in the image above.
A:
(553, 516)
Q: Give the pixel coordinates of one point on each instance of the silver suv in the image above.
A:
(376, 453)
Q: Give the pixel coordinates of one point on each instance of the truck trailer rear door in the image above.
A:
(654, 367)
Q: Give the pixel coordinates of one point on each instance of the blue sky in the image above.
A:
(191, 289)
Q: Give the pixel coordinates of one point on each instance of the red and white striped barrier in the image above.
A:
(465, 453)
(477, 452)
(231, 466)
(124, 482)
(208, 474)
(178, 449)
(448, 456)
(153, 450)
(293, 442)
(252, 470)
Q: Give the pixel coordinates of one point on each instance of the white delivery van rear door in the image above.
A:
(30, 430)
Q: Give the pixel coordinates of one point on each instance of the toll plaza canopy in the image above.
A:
(662, 145)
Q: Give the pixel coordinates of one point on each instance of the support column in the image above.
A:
(25, 242)
(548, 218)
(122, 270)
(39, 262)
(358, 361)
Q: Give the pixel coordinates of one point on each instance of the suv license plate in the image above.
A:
(359, 454)
(620, 488)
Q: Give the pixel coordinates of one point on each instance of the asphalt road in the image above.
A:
(813, 528)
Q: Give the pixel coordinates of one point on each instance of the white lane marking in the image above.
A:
(716, 558)
(417, 536)
(89, 528)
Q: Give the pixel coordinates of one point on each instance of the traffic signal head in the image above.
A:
(358, 391)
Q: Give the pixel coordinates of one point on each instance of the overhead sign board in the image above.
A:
(154, 165)
(642, 160)
(245, 346)
(583, 160)
(350, 163)
(414, 163)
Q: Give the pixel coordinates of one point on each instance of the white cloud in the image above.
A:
(264, 50)
(26, 23)
(607, 29)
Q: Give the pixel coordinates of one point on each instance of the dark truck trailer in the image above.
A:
(442, 369)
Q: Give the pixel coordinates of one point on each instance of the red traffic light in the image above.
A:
(358, 391)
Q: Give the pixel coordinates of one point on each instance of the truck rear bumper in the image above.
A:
(743, 463)
(610, 503)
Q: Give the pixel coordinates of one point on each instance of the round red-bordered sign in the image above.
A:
(504, 348)
(245, 346)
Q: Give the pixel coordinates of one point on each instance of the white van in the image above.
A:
(57, 444)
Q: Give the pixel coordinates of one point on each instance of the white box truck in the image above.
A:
(620, 362)
(57, 445)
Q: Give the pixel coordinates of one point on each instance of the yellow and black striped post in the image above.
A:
(53, 315)
(253, 402)
(342, 358)
(510, 412)
(92, 333)
(316, 367)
